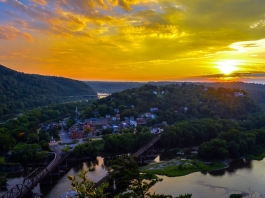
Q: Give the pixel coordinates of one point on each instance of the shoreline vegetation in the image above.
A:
(177, 167)
(181, 167)
(259, 156)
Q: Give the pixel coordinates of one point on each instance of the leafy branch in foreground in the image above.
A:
(132, 183)
(85, 188)
(127, 177)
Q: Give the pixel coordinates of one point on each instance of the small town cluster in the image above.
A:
(95, 126)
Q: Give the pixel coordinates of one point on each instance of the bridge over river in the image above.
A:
(24, 189)
(136, 154)
(38, 176)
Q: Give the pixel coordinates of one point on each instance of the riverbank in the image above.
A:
(260, 156)
(181, 167)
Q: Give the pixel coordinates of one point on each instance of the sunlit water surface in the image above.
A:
(242, 176)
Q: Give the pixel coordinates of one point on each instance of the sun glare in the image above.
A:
(228, 66)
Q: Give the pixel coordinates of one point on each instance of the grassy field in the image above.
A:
(176, 167)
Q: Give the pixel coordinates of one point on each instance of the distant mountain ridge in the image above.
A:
(19, 91)
(255, 91)
(112, 87)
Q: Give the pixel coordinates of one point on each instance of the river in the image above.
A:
(63, 184)
(241, 176)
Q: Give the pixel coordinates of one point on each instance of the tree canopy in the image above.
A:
(19, 91)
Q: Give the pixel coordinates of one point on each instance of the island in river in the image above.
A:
(180, 167)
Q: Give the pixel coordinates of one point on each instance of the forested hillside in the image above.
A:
(175, 102)
(255, 91)
(19, 91)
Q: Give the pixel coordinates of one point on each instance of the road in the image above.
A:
(64, 137)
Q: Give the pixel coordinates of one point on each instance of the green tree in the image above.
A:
(85, 188)
(33, 138)
(87, 131)
(44, 145)
(214, 149)
(6, 143)
(133, 184)
(43, 135)
(107, 131)
(3, 180)
(25, 153)
(170, 138)
(88, 149)
(233, 149)
(2, 160)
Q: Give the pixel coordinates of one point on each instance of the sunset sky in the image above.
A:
(135, 40)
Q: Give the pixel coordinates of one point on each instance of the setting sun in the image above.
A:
(228, 66)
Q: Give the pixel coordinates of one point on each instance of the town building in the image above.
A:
(97, 121)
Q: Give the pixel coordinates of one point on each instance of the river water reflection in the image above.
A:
(241, 176)
(63, 184)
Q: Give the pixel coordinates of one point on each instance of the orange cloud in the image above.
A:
(11, 33)
(41, 2)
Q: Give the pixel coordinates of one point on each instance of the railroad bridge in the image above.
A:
(37, 176)
(43, 175)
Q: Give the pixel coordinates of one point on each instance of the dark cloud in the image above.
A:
(235, 75)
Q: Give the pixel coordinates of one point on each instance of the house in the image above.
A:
(124, 125)
(154, 130)
(105, 126)
(148, 115)
(152, 109)
(132, 106)
(162, 92)
(238, 94)
(77, 134)
(90, 135)
(114, 118)
(97, 121)
(133, 123)
(141, 121)
(85, 126)
(116, 110)
(107, 116)
(131, 118)
(118, 117)
(155, 92)
(115, 128)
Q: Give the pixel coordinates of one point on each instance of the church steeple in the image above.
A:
(76, 112)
